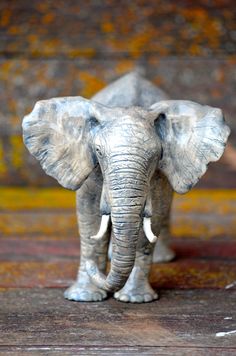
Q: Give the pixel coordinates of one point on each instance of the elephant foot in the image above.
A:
(136, 295)
(84, 293)
(137, 289)
(162, 252)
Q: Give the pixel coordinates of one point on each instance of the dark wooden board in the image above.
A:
(44, 248)
(185, 320)
(117, 351)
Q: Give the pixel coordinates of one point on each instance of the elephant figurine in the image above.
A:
(124, 153)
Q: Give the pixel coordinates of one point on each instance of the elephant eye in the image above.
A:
(98, 151)
(161, 117)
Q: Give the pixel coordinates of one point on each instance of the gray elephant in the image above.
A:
(124, 152)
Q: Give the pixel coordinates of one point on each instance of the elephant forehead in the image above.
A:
(128, 132)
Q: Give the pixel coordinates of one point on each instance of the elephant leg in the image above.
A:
(137, 288)
(88, 205)
(163, 252)
(162, 196)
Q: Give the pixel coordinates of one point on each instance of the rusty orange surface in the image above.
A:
(185, 274)
(222, 201)
(202, 214)
(163, 28)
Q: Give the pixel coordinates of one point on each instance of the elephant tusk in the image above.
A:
(103, 228)
(148, 230)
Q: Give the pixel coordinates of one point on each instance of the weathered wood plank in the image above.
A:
(116, 350)
(184, 273)
(181, 319)
(45, 248)
(191, 273)
(204, 226)
(211, 249)
(53, 263)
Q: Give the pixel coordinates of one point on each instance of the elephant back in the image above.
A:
(130, 90)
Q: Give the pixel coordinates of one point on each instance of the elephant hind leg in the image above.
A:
(163, 252)
(162, 196)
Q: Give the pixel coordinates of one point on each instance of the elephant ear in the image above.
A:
(57, 132)
(191, 135)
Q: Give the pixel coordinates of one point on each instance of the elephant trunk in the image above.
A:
(127, 204)
(125, 237)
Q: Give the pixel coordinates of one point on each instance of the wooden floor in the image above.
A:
(39, 252)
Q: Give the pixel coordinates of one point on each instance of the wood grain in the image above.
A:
(44, 247)
(184, 320)
(116, 350)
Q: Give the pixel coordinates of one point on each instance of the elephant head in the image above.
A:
(71, 136)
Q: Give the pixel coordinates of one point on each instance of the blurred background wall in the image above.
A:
(62, 48)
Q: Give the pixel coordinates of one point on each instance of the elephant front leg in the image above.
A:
(88, 203)
(137, 288)
(83, 289)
